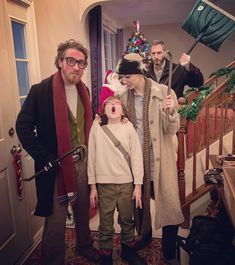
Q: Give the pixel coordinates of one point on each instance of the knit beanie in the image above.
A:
(130, 64)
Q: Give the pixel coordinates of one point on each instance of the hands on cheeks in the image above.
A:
(97, 118)
(137, 196)
(124, 120)
(169, 103)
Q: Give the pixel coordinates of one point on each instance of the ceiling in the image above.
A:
(152, 12)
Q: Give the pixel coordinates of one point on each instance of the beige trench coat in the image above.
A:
(162, 131)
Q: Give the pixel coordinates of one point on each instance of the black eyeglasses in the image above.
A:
(71, 62)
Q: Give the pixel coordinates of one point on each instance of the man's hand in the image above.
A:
(169, 103)
(137, 196)
(185, 59)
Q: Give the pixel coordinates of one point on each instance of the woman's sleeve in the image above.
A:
(171, 122)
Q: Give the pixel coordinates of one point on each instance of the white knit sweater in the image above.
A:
(106, 163)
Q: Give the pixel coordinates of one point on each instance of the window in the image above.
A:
(109, 49)
(18, 30)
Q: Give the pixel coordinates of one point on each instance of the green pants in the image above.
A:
(112, 196)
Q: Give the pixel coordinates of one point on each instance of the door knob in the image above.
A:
(11, 131)
(16, 149)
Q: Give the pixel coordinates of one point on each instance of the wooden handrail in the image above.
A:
(211, 97)
(217, 103)
(212, 80)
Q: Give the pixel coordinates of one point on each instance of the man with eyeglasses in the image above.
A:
(186, 74)
(55, 118)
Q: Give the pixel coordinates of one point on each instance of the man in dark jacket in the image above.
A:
(186, 74)
(55, 118)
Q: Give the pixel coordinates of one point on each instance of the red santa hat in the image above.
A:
(109, 72)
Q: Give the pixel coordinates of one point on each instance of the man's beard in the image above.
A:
(73, 79)
(158, 63)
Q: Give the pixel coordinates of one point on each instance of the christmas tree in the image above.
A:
(138, 43)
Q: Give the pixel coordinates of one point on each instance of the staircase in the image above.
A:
(214, 120)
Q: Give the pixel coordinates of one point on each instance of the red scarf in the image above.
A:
(66, 181)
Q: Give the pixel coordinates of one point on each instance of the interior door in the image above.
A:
(18, 226)
(14, 226)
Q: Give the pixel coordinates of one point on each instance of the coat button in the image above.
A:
(158, 159)
(151, 121)
(154, 139)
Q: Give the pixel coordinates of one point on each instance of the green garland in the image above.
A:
(222, 72)
(231, 83)
(190, 112)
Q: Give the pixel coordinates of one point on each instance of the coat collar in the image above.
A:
(165, 71)
(158, 90)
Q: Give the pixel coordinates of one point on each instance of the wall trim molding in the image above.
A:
(23, 2)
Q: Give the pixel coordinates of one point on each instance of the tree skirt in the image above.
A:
(152, 253)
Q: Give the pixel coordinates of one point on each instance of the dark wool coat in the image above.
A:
(180, 78)
(37, 113)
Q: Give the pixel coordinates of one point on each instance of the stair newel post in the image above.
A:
(181, 169)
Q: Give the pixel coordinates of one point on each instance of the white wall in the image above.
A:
(179, 41)
(58, 21)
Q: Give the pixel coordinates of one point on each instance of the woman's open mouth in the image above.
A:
(113, 109)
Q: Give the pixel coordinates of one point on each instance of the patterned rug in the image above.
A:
(152, 253)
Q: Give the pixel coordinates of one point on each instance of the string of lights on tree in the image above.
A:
(190, 112)
(137, 43)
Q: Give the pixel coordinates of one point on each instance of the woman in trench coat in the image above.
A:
(155, 117)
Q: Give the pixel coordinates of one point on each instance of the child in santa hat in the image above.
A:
(115, 178)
